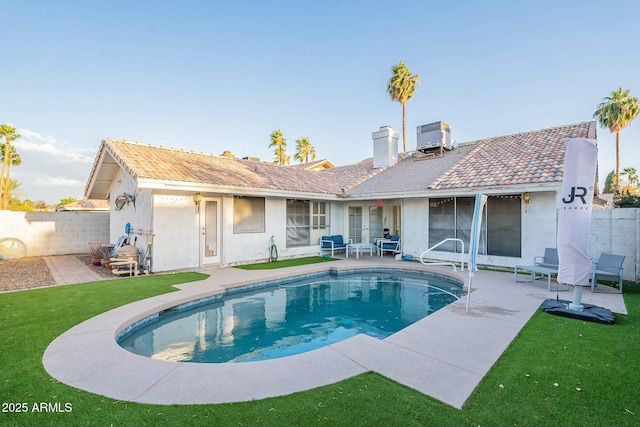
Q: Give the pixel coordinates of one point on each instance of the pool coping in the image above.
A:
(444, 355)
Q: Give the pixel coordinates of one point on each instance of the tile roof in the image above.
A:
(150, 162)
(85, 205)
(350, 176)
(413, 172)
(315, 165)
(523, 158)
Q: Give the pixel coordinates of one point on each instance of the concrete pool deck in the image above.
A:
(444, 355)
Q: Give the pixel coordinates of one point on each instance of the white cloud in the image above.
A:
(51, 170)
(58, 181)
(35, 142)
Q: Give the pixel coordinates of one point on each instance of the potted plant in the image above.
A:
(97, 253)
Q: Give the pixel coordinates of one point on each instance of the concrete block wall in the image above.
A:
(55, 233)
(617, 231)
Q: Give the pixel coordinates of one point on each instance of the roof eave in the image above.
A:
(104, 169)
(231, 190)
(448, 192)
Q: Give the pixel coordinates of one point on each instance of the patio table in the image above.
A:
(359, 248)
(535, 269)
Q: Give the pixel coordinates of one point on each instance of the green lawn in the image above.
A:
(558, 372)
(286, 263)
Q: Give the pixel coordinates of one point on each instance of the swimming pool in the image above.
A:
(290, 316)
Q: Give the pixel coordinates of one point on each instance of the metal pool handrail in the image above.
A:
(450, 239)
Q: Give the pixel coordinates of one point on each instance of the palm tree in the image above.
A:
(15, 160)
(9, 157)
(401, 87)
(632, 179)
(615, 113)
(13, 192)
(278, 141)
(632, 175)
(304, 150)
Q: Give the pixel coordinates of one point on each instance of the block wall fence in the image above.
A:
(55, 233)
(614, 231)
(617, 231)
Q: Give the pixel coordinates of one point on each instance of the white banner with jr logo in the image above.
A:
(574, 219)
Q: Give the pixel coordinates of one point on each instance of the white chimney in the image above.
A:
(385, 147)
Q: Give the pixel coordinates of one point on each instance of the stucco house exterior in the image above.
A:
(198, 210)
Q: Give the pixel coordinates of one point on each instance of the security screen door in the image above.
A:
(209, 227)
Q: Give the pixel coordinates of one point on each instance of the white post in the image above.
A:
(576, 305)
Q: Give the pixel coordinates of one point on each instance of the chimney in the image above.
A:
(385, 147)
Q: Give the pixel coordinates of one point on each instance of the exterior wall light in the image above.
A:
(197, 198)
(526, 197)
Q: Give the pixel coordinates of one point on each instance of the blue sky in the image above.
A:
(212, 76)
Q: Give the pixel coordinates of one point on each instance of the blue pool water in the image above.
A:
(291, 317)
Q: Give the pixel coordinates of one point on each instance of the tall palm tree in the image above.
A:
(9, 157)
(279, 141)
(304, 150)
(615, 112)
(401, 88)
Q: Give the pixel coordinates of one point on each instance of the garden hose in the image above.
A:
(273, 251)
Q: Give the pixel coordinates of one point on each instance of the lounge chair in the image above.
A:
(608, 267)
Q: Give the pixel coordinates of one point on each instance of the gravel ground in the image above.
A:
(32, 272)
(24, 273)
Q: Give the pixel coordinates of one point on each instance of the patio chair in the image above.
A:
(608, 267)
(392, 244)
(549, 260)
(333, 243)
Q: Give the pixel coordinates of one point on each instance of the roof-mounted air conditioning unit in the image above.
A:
(434, 136)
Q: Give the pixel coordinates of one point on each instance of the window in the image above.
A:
(319, 216)
(248, 215)
(298, 223)
(501, 224)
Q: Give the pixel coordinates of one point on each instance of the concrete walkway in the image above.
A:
(68, 269)
(444, 355)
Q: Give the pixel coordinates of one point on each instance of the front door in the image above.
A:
(210, 231)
